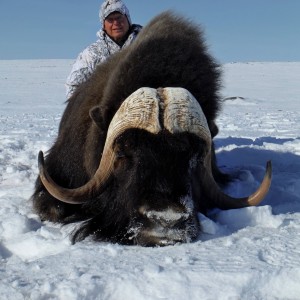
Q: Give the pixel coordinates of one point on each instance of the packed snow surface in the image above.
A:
(250, 253)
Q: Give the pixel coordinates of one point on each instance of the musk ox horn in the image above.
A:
(224, 201)
(182, 113)
(139, 110)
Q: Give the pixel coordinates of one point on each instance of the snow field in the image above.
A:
(251, 253)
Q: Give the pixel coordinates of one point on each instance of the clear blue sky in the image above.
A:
(236, 30)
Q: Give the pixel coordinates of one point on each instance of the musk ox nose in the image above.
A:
(166, 227)
(167, 218)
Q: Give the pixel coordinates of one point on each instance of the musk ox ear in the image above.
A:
(96, 115)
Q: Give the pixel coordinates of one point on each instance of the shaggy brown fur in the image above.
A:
(169, 52)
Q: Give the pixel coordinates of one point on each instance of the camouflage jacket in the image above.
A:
(93, 55)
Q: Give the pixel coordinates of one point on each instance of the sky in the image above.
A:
(235, 30)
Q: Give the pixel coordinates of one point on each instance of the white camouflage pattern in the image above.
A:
(110, 6)
(93, 55)
(98, 52)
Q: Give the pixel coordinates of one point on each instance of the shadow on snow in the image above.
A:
(246, 162)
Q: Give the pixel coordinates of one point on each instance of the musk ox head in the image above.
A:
(154, 173)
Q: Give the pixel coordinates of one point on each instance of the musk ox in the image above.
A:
(134, 159)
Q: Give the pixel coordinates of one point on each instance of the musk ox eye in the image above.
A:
(120, 154)
(121, 160)
(119, 148)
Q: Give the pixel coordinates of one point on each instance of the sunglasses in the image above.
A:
(119, 19)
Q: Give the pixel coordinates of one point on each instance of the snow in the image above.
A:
(250, 253)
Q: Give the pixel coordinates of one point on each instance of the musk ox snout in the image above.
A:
(165, 227)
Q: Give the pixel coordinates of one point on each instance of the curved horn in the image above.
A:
(183, 113)
(139, 110)
(224, 201)
(263, 190)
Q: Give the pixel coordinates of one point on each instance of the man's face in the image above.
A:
(116, 26)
